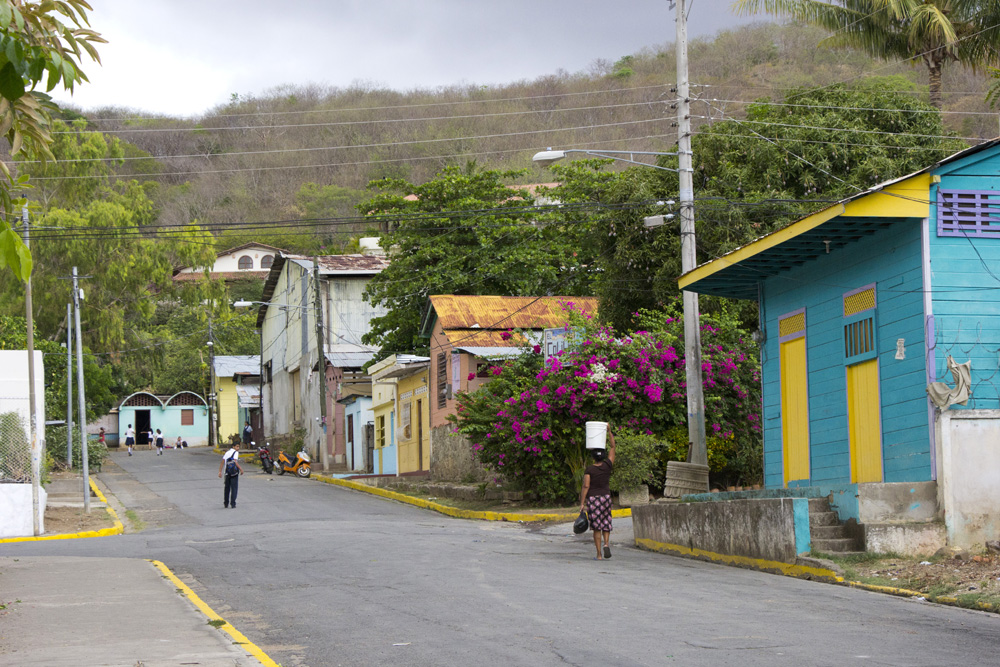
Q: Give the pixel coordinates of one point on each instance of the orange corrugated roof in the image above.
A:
(476, 338)
(506, 312)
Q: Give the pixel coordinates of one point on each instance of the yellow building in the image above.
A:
(237, 386)
(402, 414)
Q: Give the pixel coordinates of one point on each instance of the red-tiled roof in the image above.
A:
(221, 275)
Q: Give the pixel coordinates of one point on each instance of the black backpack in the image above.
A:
(231, 467)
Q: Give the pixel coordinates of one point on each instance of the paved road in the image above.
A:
(319, 575)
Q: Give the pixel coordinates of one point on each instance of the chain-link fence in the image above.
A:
(15, 447)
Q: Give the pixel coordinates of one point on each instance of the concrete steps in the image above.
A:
(826, 532)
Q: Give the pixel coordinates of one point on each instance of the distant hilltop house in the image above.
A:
(250, 260)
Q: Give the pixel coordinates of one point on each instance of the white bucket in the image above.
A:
(597, 432)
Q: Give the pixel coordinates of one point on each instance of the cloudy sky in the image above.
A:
(183, 57)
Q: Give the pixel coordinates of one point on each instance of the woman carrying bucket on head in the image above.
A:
(595, 495)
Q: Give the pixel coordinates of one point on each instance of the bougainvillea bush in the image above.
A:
(527, 423)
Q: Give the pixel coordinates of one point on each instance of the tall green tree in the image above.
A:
(936, 31)
(41, 41)
(467, 231)
(752, 176)
(127, 270)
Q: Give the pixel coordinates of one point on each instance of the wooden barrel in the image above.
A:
(684, 478)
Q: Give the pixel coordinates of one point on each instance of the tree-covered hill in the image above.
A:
(308, 153)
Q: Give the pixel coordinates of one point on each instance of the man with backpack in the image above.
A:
(230, 464)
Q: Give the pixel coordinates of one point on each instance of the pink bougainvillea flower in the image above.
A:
(537, 349)
(495, 370)
(472, 376)
(506, 335)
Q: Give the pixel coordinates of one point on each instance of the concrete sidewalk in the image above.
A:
(57, 611)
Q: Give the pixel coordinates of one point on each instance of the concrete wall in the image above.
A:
(452, 459)
(231, 261)
(969, 475)
(14, 388)
(775, 529)
(15, 510)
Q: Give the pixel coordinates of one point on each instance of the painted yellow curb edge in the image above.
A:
(454, 511)
(802, 572)
(790, 569)
(238, 637)
(116, 529)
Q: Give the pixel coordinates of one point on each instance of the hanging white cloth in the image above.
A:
(945, 396)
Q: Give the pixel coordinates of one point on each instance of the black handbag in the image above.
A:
(581, 524)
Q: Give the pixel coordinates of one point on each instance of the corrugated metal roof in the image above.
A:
(230, 365)
(506, 312)
(349, 359)
(478, 338)
(248, 395)
(491, 352)
(343, 264)
(738, 273)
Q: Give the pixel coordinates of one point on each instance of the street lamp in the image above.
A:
(545, 158)
(692, 329)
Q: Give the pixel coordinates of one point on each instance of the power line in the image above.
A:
(394, 106)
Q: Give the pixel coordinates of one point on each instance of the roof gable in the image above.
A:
(502, 312)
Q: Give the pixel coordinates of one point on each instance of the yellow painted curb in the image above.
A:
(454, 511)
(790, 569)
(116, 529)
(238, 637)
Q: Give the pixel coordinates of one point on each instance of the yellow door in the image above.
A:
(864, 422)
(794, 410)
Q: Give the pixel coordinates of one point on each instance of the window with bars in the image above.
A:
(859, 326)
(968, 213)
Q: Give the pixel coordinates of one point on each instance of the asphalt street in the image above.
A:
(320, 575)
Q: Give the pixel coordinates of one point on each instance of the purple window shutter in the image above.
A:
(968, 213)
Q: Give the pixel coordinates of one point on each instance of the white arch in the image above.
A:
(129, 397)
(198, 396)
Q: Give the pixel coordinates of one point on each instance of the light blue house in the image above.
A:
(862, 306)
(359, 423)
(184, 414)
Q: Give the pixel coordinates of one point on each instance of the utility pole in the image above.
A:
(36, 450)
(211, 387)
(82, 412)
(69, 385)
(321, 362)
(692, 330)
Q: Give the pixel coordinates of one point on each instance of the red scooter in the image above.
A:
(266, 462)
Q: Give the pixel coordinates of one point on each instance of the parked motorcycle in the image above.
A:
(266, 462)
(301, 466)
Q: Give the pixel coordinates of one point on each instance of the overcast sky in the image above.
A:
(183, 57)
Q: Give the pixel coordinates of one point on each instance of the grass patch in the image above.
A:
(217, 623)
(133, 518)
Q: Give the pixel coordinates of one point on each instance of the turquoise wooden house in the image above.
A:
(863, 306)
(184, 414)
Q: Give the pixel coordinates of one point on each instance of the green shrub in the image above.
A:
(635, 460)
(55, 445)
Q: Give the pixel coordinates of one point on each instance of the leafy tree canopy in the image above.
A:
(754, 176)
(38, 46)
(468, 231)
(935, 31)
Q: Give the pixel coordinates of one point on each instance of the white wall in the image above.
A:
(231, 261)
(15, 510)
(14, 386)
(969, 475)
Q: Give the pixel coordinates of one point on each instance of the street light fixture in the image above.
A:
(692, 327)
(545, 158)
